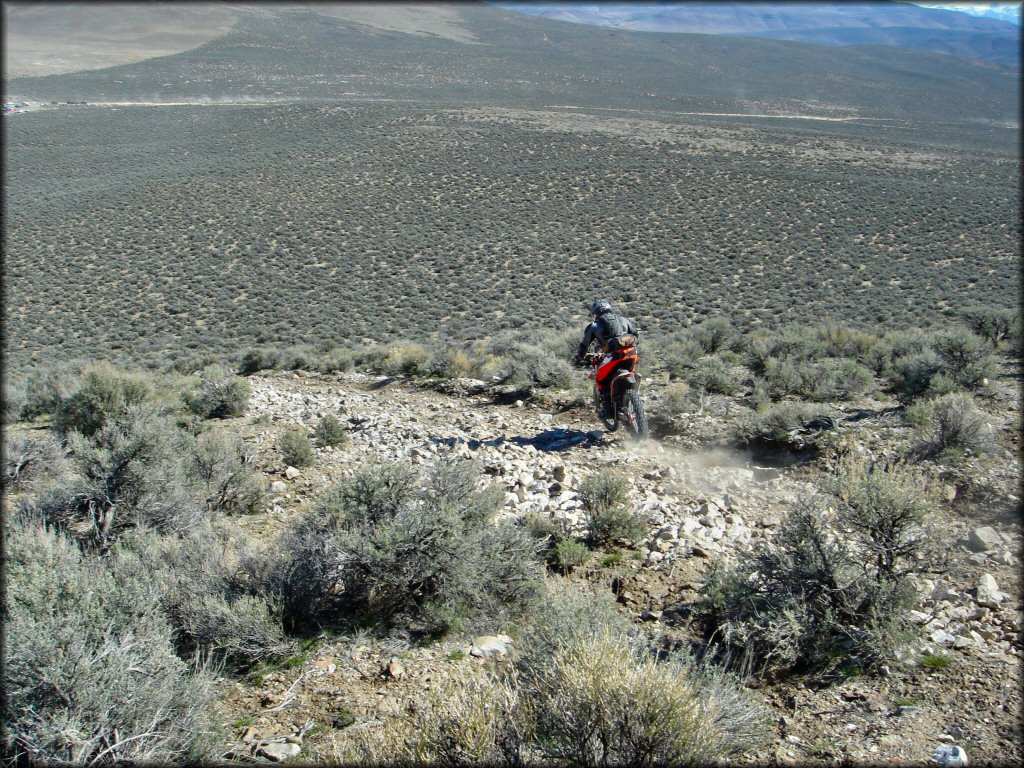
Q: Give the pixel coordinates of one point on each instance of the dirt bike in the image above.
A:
(627, 404)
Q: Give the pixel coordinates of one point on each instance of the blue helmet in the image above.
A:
(601, 307)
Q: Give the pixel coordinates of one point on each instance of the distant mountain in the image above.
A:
(462, 53)
(899, 24)
(1003, 11)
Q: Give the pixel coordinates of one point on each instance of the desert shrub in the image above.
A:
(954, 421)
(404, 358)
(221, 394)
(841, 341)
(675, 400)
(912, 375)
(833, 587)
(794, 343)
(568, 554)
(760, 395)
(104, 395)
(255, 360)
(600, 702)
(276, 358)
(90, 674)
(336, 359)
(544, 364)
(296, 450)
(26, 460)
(15, 398)
(605, 500)
(606, 526)
(604, 490)
(131, 472)
(46, 387)
(782, 377)
(895, 345)
(791, 424)
(223, 467)
(851, 379)
(564, 615)
(215, 592)
(473, 718)
(244, 630)
(820, 381)
(540, 368)
(966, 358)
(994, 324)
(600, 697)
(713, 374)
(714, 335)
(679, 353)
(456, 364)
(584, 690)
(330, 432)
(918, 414)
(391, 546)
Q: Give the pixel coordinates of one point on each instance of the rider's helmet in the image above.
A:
(601, 307)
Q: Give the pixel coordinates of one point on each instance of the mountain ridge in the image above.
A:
(829, 24)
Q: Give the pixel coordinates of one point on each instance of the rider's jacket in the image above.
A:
(598, 331)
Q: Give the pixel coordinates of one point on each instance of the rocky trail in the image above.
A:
(701, 507)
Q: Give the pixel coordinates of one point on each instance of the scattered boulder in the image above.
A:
(988, 594)
(394, 669)
(291, 473)
(983, 539)
(278, 751)
(486, 646)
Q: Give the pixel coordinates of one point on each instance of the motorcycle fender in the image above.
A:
(624, 381)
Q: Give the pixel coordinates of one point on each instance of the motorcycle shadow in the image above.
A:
(559, 439)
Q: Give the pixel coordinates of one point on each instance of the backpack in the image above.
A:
(617, 337)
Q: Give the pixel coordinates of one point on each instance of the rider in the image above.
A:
(617, 336)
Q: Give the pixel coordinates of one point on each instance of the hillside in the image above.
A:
(703, 502)
(510, 59)
(295, 463)
(306, 179)
(360, 222)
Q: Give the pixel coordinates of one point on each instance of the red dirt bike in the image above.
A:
(627, 404)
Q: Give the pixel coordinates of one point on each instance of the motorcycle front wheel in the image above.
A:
(635, 415)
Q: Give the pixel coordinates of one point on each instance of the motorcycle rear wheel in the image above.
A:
(635, 415)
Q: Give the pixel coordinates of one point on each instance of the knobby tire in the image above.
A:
(636, 416)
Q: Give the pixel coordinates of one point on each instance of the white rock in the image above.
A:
(291, 473)
(709, 508)
(276, 752)
(490, 645)
(941, 594)
(989, 595)
(689, 525)
(278, 486)
(1004, 558)
(941, 637)
(983, 539)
